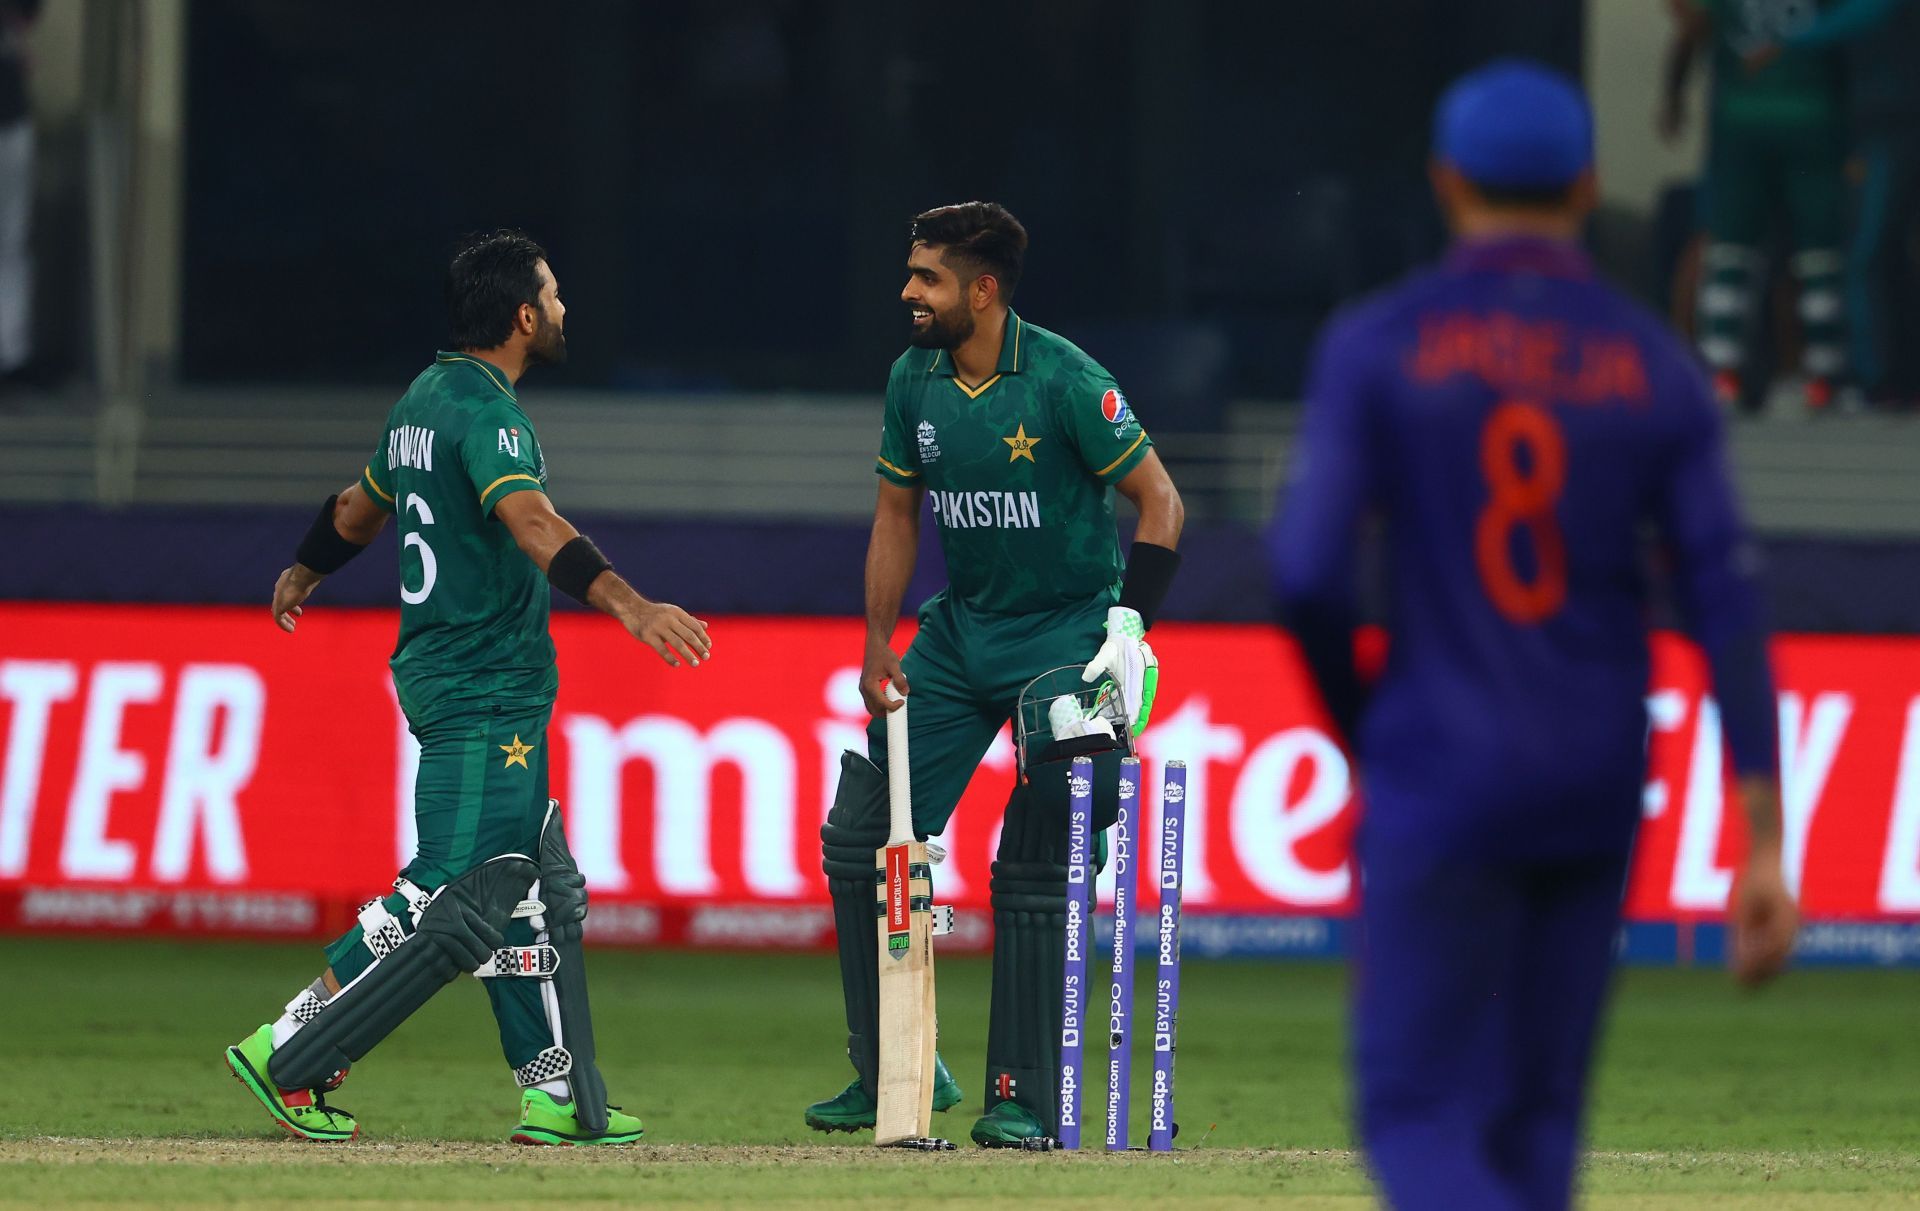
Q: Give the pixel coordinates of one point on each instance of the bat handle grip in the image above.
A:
(899, 777)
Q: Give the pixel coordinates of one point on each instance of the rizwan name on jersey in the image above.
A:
(410, 446)
(987, 510)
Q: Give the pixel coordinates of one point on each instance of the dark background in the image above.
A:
(724, 186)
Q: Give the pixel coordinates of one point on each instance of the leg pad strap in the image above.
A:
(549, 1065)
(530, 962)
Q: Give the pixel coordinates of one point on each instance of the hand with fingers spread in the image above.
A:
(676, 635)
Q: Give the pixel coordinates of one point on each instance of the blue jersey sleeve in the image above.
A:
(1311, 544)
(1715, 573)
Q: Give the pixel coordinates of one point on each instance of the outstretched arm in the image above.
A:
(576, 567)
(348, 523)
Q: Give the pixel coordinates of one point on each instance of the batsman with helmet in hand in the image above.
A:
(1017, 440)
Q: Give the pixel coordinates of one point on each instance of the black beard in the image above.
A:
(549, 345)
(948, 331)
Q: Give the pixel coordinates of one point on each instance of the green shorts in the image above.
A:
(481, 792)
(1758, 171)
(965, 671)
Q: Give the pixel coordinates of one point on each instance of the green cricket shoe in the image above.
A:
(302, 1112)
(1011, 1125)
(545, 1121)
(852, 1109)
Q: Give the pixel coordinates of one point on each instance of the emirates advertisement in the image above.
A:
(192, 770)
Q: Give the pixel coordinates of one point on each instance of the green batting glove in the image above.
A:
(1149, 686)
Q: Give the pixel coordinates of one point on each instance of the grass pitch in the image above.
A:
(114, 1092)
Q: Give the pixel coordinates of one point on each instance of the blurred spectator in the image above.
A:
(16, 191)
(1882, 38)
(1777, 144)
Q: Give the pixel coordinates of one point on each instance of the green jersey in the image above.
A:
(1799, 87)
(1019, 469)
(473, 608)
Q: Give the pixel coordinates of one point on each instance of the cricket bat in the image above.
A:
(904, 1101)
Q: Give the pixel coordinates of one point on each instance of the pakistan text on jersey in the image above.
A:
(987, 510)
(410, 446)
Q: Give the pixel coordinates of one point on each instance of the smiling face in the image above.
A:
(938, 302)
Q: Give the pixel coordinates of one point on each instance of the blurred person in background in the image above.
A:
(1776, 145)
(16, 193)
(1881, 39)
(1516, 422)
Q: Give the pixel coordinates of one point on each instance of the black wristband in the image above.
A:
(575, 566)
(323, 549)
(1150, 569)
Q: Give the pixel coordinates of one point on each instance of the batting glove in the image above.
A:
(1128, 666)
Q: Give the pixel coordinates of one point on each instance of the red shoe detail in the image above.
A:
(1819, 394)
(299, 1098)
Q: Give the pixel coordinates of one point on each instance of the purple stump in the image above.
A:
(1073, 997)
(1166, 986)
(1120, 996)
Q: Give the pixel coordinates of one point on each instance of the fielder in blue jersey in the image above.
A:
(1518, 426)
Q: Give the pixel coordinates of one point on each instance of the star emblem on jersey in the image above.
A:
(1022, 445)
(517, 753)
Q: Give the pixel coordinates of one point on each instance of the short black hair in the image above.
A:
(978, 238)
(1553, 197)
(492, 274)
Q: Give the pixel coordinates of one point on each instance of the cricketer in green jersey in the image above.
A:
(492, 889)
(1776, 145)
(1017, 441)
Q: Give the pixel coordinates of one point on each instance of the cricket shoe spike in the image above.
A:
(1011, 1125)
(300, 1112)
(852, 1108)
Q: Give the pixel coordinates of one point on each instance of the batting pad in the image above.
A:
(458, 930)
(564, 993)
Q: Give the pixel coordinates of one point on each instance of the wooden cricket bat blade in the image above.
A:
(903, 1112)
